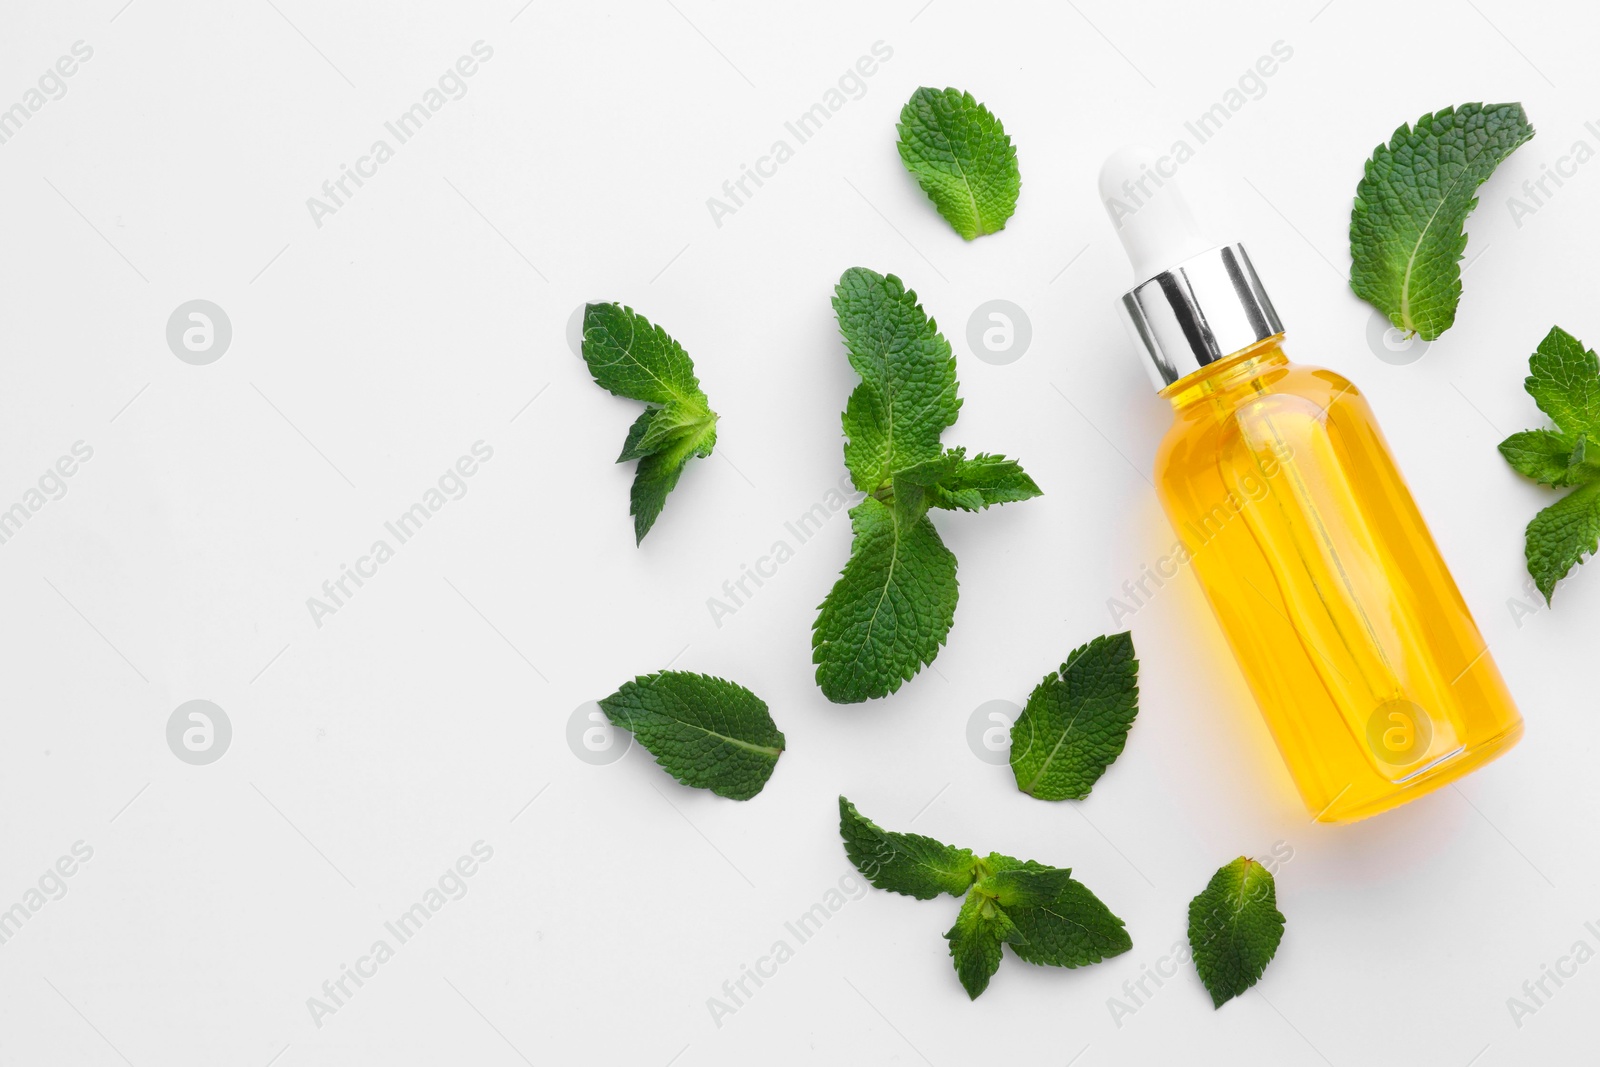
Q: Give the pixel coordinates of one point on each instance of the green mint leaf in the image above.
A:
(1027, 885)
(912, 488)
(929, 472)
(658, 473)
(1234, 928)
(998, 863)
(960, 155)
(890, 610)
(981, 481)
(904, 863)
(706, 732)
(646, 434)
(1407, 223)
(1564, 380)
(1073, 930)
(1546, 456)
(981, 928)
(1561, 536)
(657, 428)
(907, 395)
(632, 358)
(1076, 721)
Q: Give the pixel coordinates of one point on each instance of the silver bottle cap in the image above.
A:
(1198, 311)
(1198, 301)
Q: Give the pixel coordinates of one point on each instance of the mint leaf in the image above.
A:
(894, 602)
(1027, 886)
(960, 155)
(1076, 721)
(1564, 380)
(981, 481)
(632, 358)
(912, 488)
(655, 429)
(904, 863)
(1411, 206)
(1546, 456)
(907, 394)
(890, 610)
(706, 732)
(981, 928)
(658, 473)
(1235, 928)
(1561, 536)
(1045, 916)
(1073, 930)
(1058, 922)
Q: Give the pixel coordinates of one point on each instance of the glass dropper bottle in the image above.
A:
(1352, 636)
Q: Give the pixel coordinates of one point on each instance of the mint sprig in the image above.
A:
(1407, 225)
(1076, 721)
(895, 600)
(1564, 380)
(706, 732)
(1041, 912)
(960, 155)
(630, 357)
(1235, 928)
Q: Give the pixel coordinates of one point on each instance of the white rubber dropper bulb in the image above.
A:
(1148, 211)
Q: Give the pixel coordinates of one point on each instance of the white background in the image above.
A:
(372, 351)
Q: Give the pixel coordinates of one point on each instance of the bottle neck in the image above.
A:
(1228, 374)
